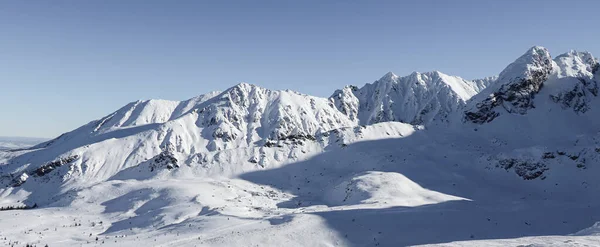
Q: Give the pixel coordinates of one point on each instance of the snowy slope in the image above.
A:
(416, 160)
(393, 192)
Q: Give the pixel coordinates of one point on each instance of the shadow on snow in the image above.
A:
(501, 205)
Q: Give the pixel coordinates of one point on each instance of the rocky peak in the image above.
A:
(535, 64)
(515, 88)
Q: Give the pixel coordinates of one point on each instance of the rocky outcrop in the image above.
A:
(41, 171)
(576, 99)
(51, 166)
(528, 170)
(18, 181)
(164, 159)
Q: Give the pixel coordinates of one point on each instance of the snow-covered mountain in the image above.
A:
(198, 132)
(419, 98)
(540, 98)
(389, 163)
(570, 78)
(241, 122)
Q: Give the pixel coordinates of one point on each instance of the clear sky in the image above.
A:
(65, 63)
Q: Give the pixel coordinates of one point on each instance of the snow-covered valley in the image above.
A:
(424, 159)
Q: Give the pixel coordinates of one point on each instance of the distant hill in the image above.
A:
(14, 142)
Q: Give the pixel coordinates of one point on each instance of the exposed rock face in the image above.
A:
(572, 76)
(164, 159)
(528, 170)
(49, 167)
(576, 99)
(20, 180)
(515, 88)
(42, 170)
(539, 162)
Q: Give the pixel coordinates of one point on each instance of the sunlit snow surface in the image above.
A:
(255, 167)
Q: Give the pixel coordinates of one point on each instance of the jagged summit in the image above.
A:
(515, 87)
(418, 98)
(535, 62)
(576, 64)
(243, 85)
(568, 81)
(388, 76)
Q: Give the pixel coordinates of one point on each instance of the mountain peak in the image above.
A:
(576, 64)
(534, 60)
(245, 85)
(536, 49)
(389, 76)
(535, 52)
(433, 73)
(515, 88)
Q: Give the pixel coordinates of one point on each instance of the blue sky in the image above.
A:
(65, 63)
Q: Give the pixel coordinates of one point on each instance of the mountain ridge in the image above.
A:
(247, 116)
(516, 153)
